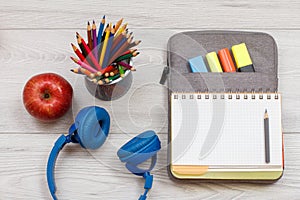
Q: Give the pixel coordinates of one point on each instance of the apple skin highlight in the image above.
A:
(47, 96)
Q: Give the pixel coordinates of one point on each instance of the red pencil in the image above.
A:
(77, 52)
(129, 51)
(103, 71)
(89, 53)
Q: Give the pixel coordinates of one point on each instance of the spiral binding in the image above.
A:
(228, 95)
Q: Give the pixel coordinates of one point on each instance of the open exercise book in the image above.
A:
(222, 136)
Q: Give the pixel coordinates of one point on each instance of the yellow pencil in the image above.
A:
(103, 50)
(121, 30)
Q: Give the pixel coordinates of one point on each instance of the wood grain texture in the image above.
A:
(143, 107)
(82, 174)
(245, 14)
(35, 37)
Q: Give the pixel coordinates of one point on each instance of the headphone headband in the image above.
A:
(90, 130)
(59, 144)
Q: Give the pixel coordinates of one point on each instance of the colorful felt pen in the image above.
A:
(226, 60)
(197, 64)
(213, 62)
(242, 58)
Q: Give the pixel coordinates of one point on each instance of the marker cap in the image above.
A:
(213, 62)
(242, 58)
(226, 60)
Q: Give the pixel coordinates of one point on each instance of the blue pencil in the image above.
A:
(108, 48)
(101, 27)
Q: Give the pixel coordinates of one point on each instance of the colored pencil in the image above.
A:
(121, 50)
(101, 42)
(109, 44)
(117, 40)
(83, 50)
(87, 58)
(102, 58)
(77, 52)
(119, 45)
(113, 73)
(95, 41)
(89, 54)
(101, 27)
(76, 71)
(103, 50)
(126, 66)
(99, 80)
(104, 34)
(121, 30)
(103, 71)
(84, 65)
(87, 72)
(121, 70)
(81, 70)
(129, 51)
(118, 24)
(112, 78)
(135, 43)
(89, 35)
(126, 56)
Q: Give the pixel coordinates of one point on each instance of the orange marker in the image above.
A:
(226, 60)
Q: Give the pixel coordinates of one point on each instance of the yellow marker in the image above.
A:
(242, 58)
(213, 62)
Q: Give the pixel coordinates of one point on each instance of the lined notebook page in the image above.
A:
(224, 129)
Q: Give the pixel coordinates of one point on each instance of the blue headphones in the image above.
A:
(90, 130)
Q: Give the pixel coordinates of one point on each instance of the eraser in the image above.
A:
(242, 58)
(197, 64)
(213, 62)
(226, 60)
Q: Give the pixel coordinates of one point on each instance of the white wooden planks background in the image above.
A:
(35, 37)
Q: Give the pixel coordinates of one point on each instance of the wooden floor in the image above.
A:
(35, 37)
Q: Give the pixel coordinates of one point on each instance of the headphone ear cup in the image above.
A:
(92, 125)
(140, 148)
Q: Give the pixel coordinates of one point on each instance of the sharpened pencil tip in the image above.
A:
(103, 17)
(88, 23)
(93, 21)
(266, 111)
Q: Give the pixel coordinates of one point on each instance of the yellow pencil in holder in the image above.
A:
(242, 58)
(213, 62)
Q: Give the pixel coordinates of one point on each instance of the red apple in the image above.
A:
(47, 96)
